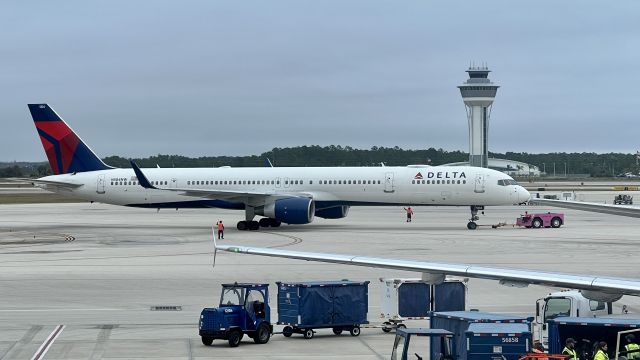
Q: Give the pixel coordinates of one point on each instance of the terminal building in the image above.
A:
(478, 94)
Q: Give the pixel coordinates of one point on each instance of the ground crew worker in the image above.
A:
(409, 213)
(220, 230)
(570, 349)
(601, 352)
(632, 346)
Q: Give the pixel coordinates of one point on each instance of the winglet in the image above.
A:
(144, 182)
(215, 245)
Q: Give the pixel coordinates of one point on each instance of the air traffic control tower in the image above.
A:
(478, 94)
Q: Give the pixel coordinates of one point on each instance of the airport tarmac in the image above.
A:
(99, 269)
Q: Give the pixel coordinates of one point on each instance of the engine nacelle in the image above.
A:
(336, 212)
(290, 211)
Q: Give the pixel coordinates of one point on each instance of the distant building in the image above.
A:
(509, 167)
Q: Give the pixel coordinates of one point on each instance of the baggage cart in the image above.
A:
(337, 305)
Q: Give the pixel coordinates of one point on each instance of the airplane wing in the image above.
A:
(232, 195)
(621, 210)
(592, 286)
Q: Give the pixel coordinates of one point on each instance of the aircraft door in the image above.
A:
(479, 183)
(388, 183)
(101, 184)
(173, 183)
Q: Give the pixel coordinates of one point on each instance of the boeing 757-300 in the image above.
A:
(292, 195)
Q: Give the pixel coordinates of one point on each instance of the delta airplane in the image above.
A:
(279, 194)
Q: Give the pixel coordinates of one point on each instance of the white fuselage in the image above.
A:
(327, 186)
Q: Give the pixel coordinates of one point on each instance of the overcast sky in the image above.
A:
(197, 78)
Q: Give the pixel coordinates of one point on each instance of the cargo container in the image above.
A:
(458, 322)
(414, 299)
(588, 332)
(339, 305)
(497, 340)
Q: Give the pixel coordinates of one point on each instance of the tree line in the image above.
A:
(589, 164)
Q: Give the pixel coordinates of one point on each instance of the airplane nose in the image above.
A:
(523, 195)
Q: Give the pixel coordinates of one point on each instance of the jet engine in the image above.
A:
(290, 211)
(335, 212)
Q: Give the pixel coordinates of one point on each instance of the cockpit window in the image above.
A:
(507, 182)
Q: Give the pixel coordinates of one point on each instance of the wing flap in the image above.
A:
(508, 276)
(620, 210)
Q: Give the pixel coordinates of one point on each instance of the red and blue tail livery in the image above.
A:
(65, 150)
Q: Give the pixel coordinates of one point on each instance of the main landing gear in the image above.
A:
(255, 225)
(471, 225)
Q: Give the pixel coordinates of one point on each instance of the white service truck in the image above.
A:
(565, 303)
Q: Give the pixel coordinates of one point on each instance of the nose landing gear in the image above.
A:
(471, 225)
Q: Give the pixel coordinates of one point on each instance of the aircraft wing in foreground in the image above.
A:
(620, 210)
(593, 287)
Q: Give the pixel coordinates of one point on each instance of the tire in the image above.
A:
(556, 222)
(207, 340)
(275, 223)
(536, 223)
(242, 225)
(355, 331)
(265, 222)
(253, 225)
(287, 331)
(471, 225)
(308, 333)
(401, 326)
(337, 331)
(234, 338)
(386, 327)
(263, 333)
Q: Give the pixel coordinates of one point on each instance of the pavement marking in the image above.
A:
(46, 345)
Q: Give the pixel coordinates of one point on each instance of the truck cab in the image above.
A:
(243, 309)
(568, 303)
(420, 344)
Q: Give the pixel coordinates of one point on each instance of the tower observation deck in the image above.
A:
(478, 93)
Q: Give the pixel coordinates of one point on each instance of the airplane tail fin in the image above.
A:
(66, 152)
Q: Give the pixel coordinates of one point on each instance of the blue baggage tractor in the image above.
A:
(339, 305)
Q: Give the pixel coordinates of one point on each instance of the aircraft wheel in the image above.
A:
(556, 222)
(275, 223)
(242, 225)
(265, 222)
(471, 225)
(253, 225)
(401, 326)
(536, 223)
